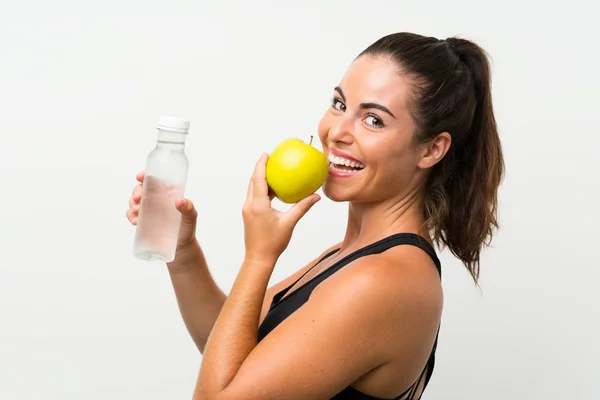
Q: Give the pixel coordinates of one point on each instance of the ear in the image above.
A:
(434, 150)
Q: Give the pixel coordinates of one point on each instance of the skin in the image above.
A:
(395, 298)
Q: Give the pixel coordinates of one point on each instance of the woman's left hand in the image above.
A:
(267, 231)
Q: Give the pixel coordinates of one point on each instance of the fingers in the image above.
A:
(257, 185)
(134, 204)
(132, 216)
(259, 180)
(298, 210)
(136, 195)
(133, 210)
(189, 215)
(135, 199)
(186, 208)
(140, 176)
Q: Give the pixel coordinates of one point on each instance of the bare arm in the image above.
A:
(199, 298)
(311, 354)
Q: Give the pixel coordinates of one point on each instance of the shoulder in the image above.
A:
(379, 311)
(277, 287)
(396, 291)
(400, 272)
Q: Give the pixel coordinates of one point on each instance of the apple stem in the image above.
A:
(311, 138)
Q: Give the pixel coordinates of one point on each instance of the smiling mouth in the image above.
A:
(344, 165)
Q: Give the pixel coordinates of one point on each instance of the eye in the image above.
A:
(338, 104)
(374, 121)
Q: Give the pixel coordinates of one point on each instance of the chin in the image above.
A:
(337, 193)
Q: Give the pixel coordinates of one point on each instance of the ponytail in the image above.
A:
(452, 93)
(477, 168)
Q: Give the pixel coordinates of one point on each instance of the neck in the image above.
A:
(369, 222)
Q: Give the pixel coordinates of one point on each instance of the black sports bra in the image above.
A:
(281, 308)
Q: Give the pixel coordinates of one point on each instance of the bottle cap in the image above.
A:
(173, 124)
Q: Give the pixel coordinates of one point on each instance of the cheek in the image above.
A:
(392, 161)
(401, 168)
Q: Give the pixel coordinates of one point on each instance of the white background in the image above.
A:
(81, 90)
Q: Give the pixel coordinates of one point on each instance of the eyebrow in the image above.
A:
(365, 106)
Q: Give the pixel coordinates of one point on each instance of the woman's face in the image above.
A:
(367, 134)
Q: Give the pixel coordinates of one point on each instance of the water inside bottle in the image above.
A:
(158, 221)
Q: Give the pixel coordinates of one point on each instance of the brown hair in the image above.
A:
(452, 93)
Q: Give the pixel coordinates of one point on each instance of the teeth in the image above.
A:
(343, 161)
(337, 168)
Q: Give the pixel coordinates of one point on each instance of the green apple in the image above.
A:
(296, 170)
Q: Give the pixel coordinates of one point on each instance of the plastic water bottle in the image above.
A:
(164, 182)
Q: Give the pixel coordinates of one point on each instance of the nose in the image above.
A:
(342, 131)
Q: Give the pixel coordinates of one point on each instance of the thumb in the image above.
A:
(188, 212)
(301, 208)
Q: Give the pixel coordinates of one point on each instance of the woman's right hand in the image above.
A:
(189, 215)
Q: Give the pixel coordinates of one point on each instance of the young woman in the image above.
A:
(415, 154)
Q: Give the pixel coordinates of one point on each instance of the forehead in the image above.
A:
(376, 79)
